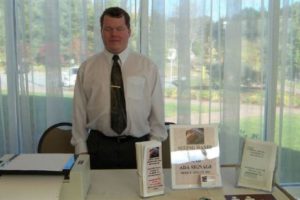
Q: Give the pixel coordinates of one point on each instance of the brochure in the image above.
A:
(195, 156)
(149, 167)
(258, 165)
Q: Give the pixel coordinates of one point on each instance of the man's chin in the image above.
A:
(115, 50)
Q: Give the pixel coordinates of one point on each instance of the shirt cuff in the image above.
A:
(81, 147)
(160, 138)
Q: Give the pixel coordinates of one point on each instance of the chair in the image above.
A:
(166, 148)
(56, 139)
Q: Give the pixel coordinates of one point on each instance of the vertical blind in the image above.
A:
(234, 63)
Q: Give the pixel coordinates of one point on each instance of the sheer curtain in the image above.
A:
(226, 62)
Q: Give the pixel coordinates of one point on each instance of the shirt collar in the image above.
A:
(123, 55)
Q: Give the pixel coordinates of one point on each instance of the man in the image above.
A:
(141, 115)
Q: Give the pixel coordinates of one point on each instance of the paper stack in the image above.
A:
(149, 167)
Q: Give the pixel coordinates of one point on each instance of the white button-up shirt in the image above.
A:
(143, 95)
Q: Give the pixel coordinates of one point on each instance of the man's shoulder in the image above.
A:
(95, 59)
(137, 54)
(140, 57)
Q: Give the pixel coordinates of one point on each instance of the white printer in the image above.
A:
(44, 176)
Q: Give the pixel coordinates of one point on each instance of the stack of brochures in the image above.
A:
(149, 167)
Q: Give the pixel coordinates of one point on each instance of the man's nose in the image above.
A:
(114, 31)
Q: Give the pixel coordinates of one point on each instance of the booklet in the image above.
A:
(195, 156)
(250, 197)
(258, 165)
(149, 168)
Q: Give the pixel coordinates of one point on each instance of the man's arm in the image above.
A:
(79, 132)
(157, 116)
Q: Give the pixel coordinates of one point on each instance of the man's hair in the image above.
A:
(117, 13)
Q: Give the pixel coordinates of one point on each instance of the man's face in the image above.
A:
(115, 34)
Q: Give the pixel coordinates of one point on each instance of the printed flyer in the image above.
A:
(195, 156)
(258, 165)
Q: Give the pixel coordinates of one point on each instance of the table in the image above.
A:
(120, 185)
(123, 185)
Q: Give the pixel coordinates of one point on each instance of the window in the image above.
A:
(235, 63)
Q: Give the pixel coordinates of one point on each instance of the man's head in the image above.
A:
(115, 29)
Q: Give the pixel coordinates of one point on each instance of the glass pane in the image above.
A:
(253, 61)
(3, 80)
(288, 96)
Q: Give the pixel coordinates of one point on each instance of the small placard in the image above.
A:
(258, 165)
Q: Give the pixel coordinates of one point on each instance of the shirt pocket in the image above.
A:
(135, 87)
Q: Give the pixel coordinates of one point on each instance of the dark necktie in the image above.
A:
(118, 106)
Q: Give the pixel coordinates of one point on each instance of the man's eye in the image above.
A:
(120, 28)
(108, 29)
